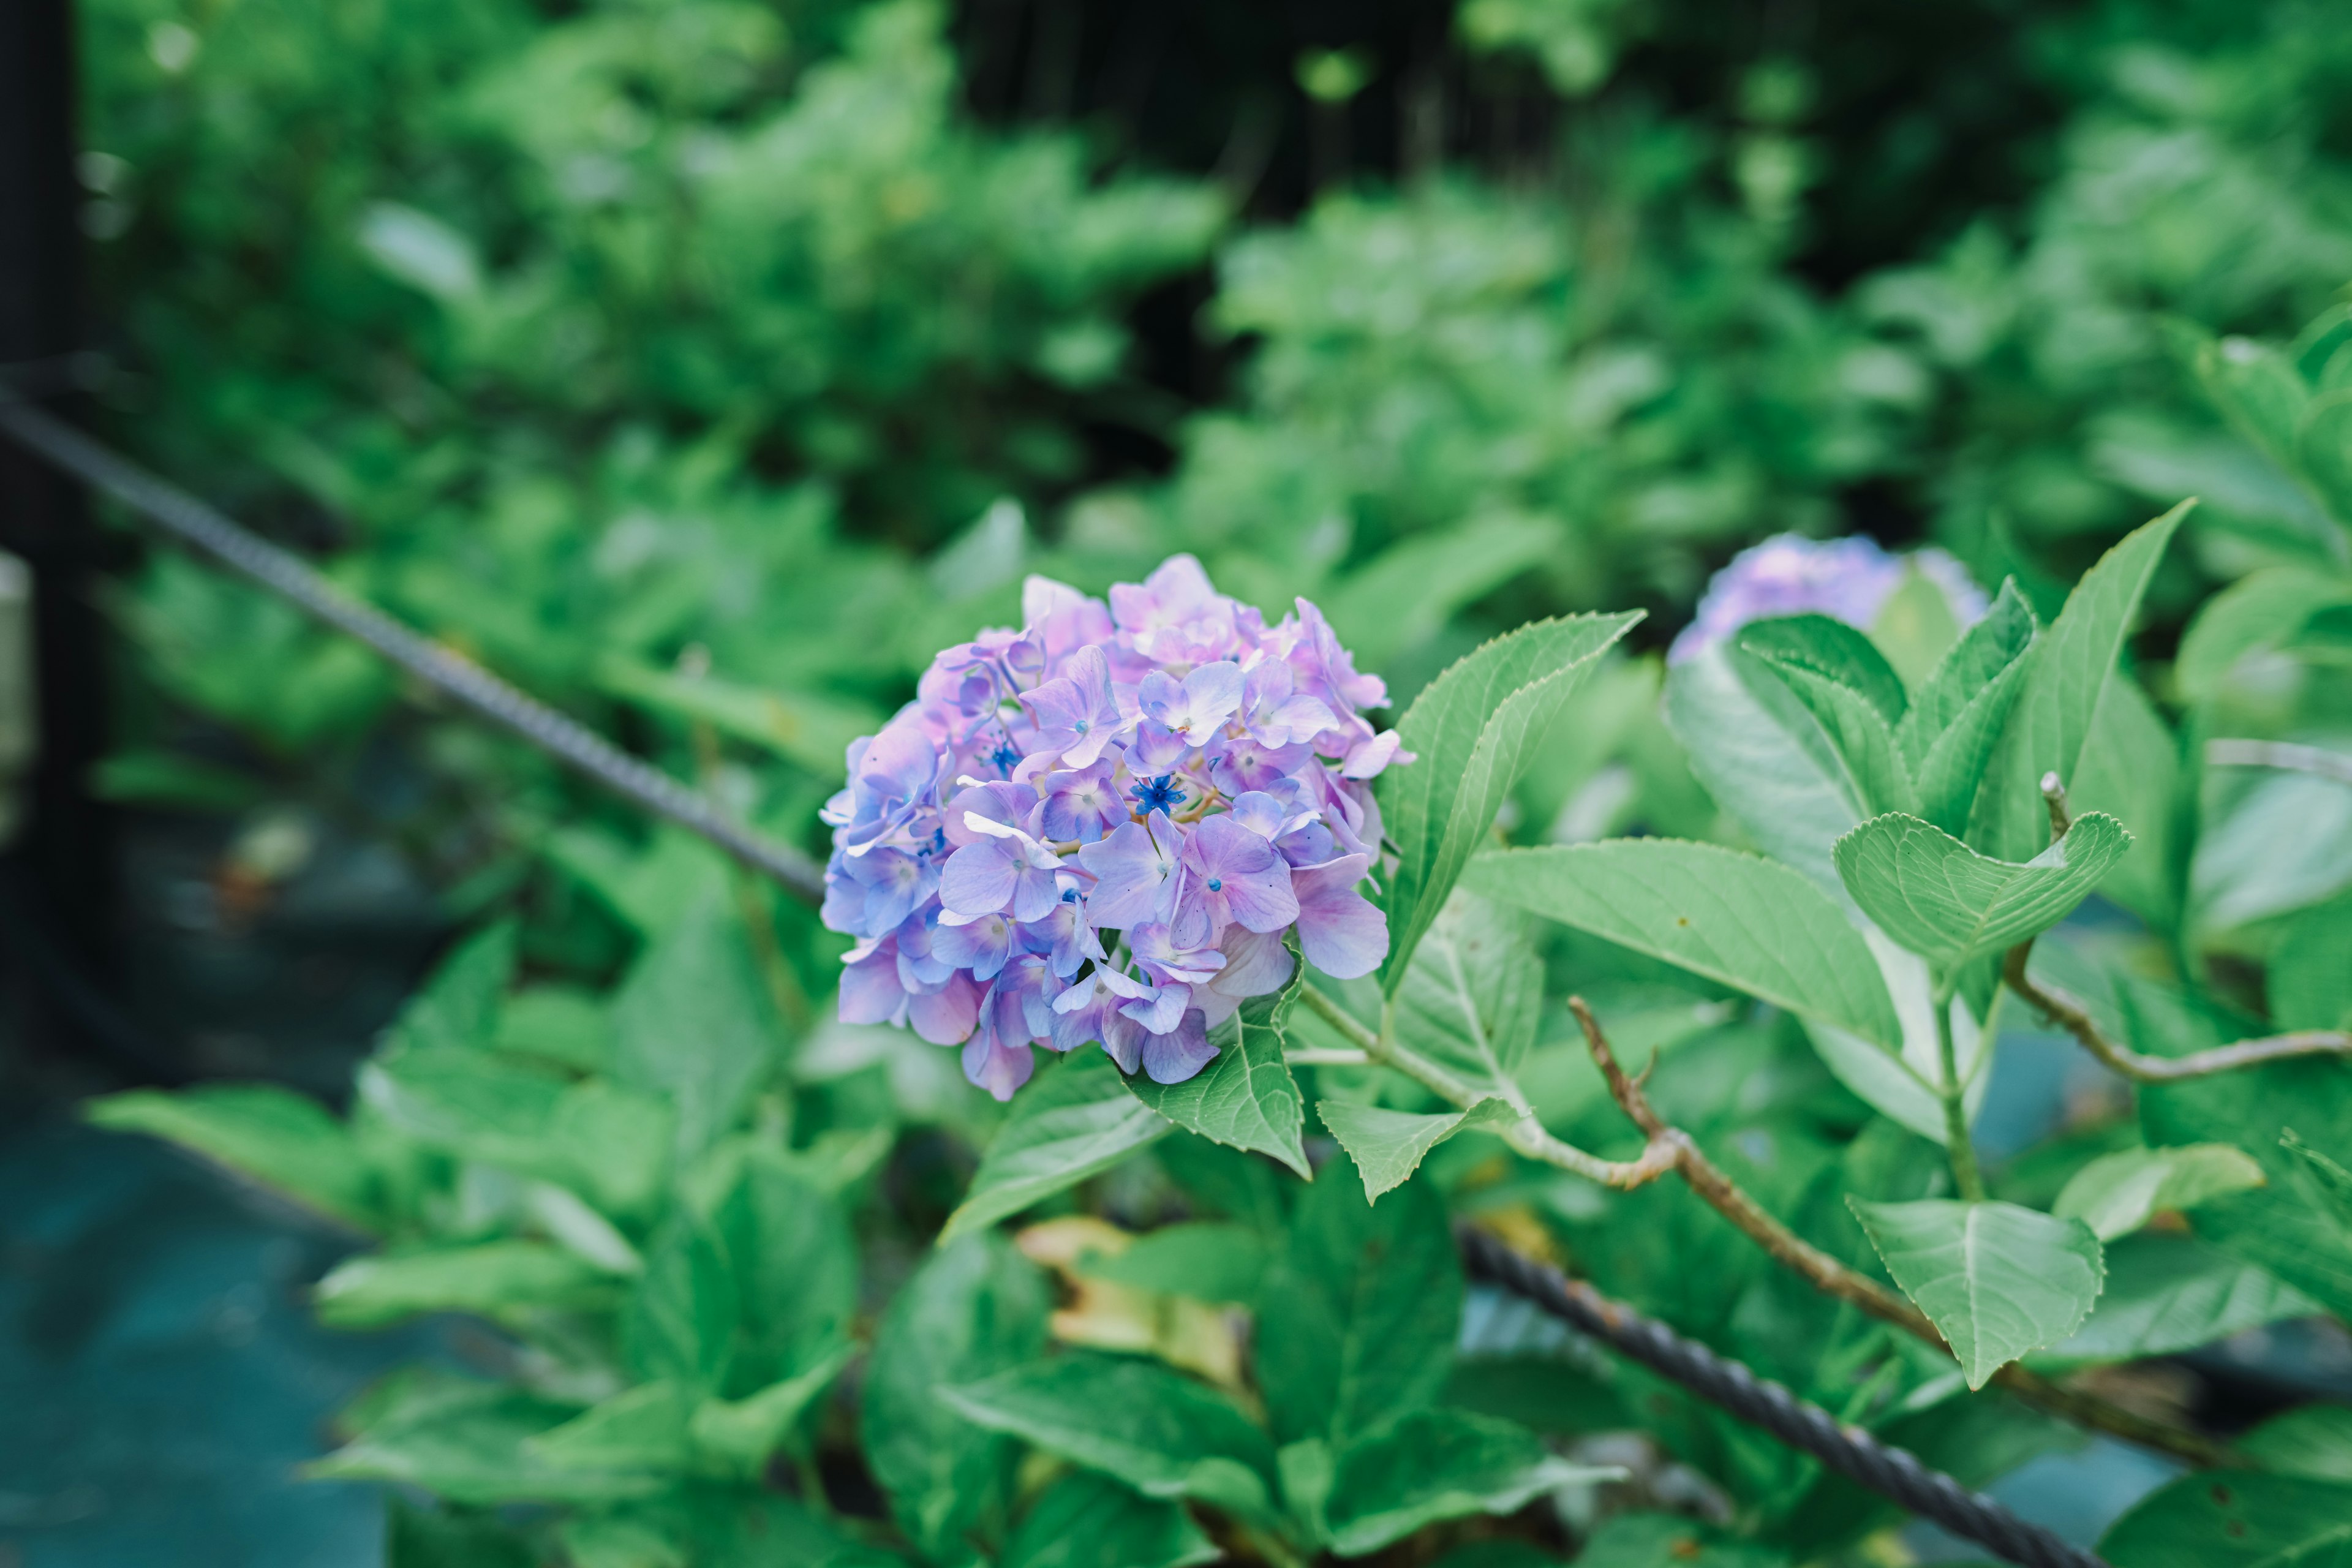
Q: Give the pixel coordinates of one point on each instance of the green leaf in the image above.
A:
(693, 1026)
(2287, 1227)
(2116, 1193)
(1209, 1261)
(1387, 1146)
(1161, 1433)
(1359, 1314)
(2131, 770)
(436, 1538)
(1966, 671)
(2072, 664)
(459, 1005)
(2166, 1294)
(680, 1324)
(1472, 992)
(974, 1308)
(606, 1143)
(2310, 983)
(1997, 1280)
(2312, 1440)
(1950, 904)
(639, 1428)
(1471, 728)
(740, 1433)
(1949, 736)
(1764, 759)
(495, 1278)
(1436, 1465)
(283, 1140)
(1733, 918)
(790, 1248)
(557, 1024)
(1840, 654)
(1074, 1119)
(1086, 1520)
(2327, 1178)
(1246, 1099)
(2258, 612)
(2324, 451)
(467, 1443)
(2235, 1519)
(1877, 773)
(2258, 391)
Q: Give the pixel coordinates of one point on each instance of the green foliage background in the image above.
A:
(705, 365)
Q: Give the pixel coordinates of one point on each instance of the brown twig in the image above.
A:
(2068, 1013)
(1834, 1278)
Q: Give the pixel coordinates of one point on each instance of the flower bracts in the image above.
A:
(1106, 827)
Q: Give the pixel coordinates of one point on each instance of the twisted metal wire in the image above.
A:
(1849, 1450)
(190, 521)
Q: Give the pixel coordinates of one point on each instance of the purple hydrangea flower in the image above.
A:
(1847, 579)
(1110, 826)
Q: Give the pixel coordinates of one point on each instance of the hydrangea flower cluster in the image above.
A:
(1102, 828)
(1847, 579)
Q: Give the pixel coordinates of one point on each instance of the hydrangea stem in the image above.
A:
(2068, 1013)
(1954, 1096)
(1526, 1134)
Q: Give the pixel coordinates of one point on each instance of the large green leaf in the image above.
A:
(2072, 664)
(2287, 1227)
(1997, 1280)
(1731, 917)
(644, 1427)
(494, 1279)
(280, 1139)
(1161, 1433)
(2166, 1294)
(1840, 654)
(1359, 1314)
(2236, 1519)
(693, 1025)
(1764, 758)
(1966, 670)
(1950, 904)
(2131, 770)
(1436, 1465)
(469, 1444)
(2116, 1193)
(1471, 994)
(1949, 734)
(738, 1435)
(1471, 728)
(1088, 1521)
(1387, 1146)
(1246, 1097)
(1877, 773)
(1074, 1119)
(2310, 983)
(2313, 1440)
(790, 1248)
(458, 1004)
(680, 1322)
(974, 1309)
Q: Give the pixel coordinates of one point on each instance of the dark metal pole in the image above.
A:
(59, 873)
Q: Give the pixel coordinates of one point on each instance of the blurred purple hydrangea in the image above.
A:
(1847, 579)
(1102, 828)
